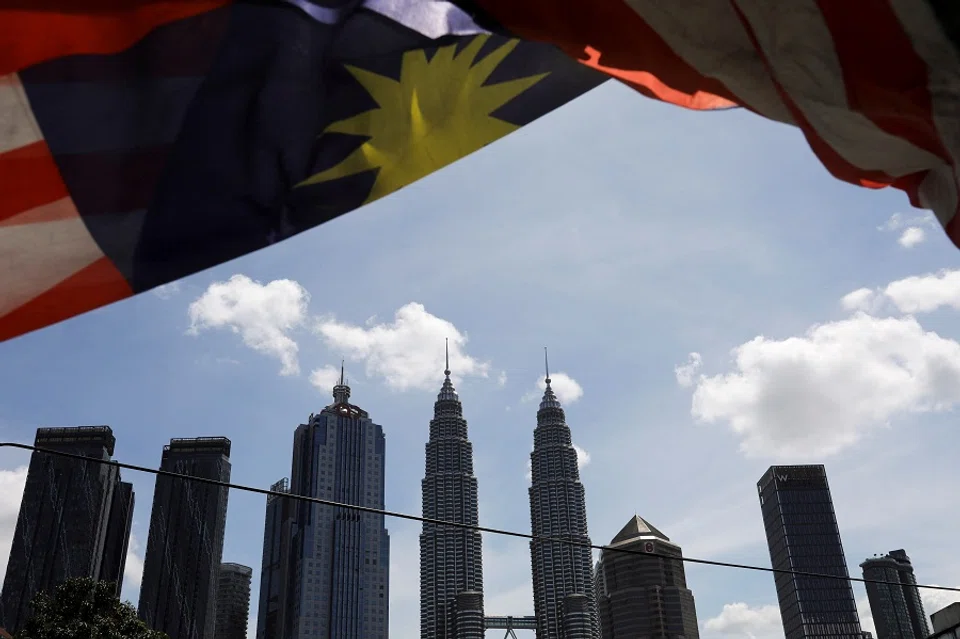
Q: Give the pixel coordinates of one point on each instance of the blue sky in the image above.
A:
(625, 235)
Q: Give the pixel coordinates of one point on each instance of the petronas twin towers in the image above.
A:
(451, 561)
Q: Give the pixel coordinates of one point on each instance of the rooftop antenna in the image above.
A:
(546, 366)
(341, 372)
(446, 341)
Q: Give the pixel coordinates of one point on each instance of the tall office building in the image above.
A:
(329, 566)
(897, 609)
(561, 572)
(233, 601)
(71, 523)
(644, 596)
(181, 568)
(274, 569)
(118, 535)
(451, 561)
(802, 535)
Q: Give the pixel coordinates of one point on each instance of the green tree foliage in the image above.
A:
(84, 609)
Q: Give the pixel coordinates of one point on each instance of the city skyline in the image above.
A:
(779, 482)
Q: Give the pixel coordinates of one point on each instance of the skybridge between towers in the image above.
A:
(510, 624)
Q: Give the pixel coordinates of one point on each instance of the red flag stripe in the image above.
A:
(795, 40)
(710, 37)
(629, 48)
(943, 68)
(885, 78)
(833, 161)
(48, 29)
(29, 178)
(96, 285)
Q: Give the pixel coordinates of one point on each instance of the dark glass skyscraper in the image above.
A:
(451, 560)
(897, 609)
(181, 567)
(233, 601)
(644, 596)
(72, 521)
(329, 567)
(275, 567)
(561, 572)
(802, 535)
(118, 535)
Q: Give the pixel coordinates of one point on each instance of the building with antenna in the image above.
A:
(563, 595)
(451, 562)
(329, 566)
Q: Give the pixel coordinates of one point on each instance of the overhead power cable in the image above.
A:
(438, 522)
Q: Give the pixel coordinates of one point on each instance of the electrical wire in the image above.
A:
(438, 522)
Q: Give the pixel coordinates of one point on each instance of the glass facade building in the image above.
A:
(897, 609)
(233, 601)
(642, 596)
(326, 569)
(74, 519)
(558, 510)
(181, 568)
(451, 560)
(802, 535)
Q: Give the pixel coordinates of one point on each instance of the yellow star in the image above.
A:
(438, 112)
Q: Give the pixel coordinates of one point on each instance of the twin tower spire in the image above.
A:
(451, 558)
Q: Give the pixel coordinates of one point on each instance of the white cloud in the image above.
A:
(583, 457)
(911, 236)
(325, 378)
(166, 291)
(741, 620)
(925, 293)
(862, 299)
(912, 230)
(133, 568)
(818, 393)
(567, 389)
(262, 314)
(936, 600)
(687, 372)
(11, 493)
(502, 379)
(913, 295)
(407, 353)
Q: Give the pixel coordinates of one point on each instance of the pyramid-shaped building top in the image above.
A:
(638, 527)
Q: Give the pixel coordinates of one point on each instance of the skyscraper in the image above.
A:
(561, 572)
(275, 567)
(450, 558)
(644, 596)
(802, 535)
(329, 566)
(181, 567)
(118, 535)
(71, 524)
(897, 609)
(233, 601)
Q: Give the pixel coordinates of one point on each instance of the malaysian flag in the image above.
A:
(144, 140)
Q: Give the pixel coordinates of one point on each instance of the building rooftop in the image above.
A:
(638, 527)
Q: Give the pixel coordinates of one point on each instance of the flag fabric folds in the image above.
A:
(144, 140)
